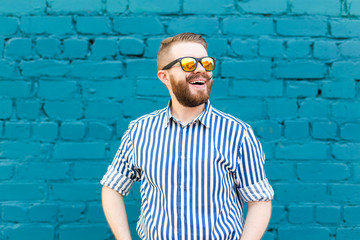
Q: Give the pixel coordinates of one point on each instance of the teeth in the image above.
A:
(201, 82)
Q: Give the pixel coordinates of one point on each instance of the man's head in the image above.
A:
(189, 81)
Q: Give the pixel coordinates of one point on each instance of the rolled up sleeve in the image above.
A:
(250, 177)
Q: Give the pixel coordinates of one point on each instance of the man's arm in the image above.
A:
(115, 213)
(257, 220)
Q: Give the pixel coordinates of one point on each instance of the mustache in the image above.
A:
(198, 75)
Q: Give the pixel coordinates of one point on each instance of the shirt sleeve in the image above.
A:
(121, 174)
(250, 177)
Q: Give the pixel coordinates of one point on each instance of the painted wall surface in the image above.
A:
(73, 74)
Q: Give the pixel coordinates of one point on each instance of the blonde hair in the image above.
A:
(182, 37)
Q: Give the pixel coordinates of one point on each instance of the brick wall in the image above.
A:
(74, 73)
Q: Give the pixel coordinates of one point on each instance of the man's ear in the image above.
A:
(163, 76)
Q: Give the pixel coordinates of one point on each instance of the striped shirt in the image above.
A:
(194, 178)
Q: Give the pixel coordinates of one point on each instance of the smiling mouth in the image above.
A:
(199, 83)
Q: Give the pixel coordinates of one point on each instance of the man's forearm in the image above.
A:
(115, 213)
(257, 220)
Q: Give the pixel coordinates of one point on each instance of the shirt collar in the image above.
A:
(203, 118)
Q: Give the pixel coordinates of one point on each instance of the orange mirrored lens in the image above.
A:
(188, 64)
(208, 64)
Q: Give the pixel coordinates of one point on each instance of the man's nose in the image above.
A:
(199, 68)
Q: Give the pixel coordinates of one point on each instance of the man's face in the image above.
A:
(191, 89)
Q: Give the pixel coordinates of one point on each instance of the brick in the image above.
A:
(22, 150)
(93, 25)
(345, 28)
(133, 207)
(217, 46)
(220, 89)
(39, 232)
(109, 110)
(353, 7)
(8, 69)
(346, 151)
(351, 214)
(45, 131)
(94, 69)
(338, 89)
(323, 7)
(154, 6)
(8, 25)
(27, 109)
(139, 106)
(324, 130)
(264, 7)
(83, 150)
(350, 132)
(271, 48)
(152, 46)
(328, 214)
(19, 48)
(301, 89)
(296, 129)
(71, 212)
(256, 88)
(76, 6)
(109, 89)
(89, 170)
(76, 191)
(14, 89)
(97, 130)
(51, 68)
(58, 25)
(151, 87)
(91, 231)
(356, 173)
(280, 171)
(104, 48)
(245, 47)
(323, 172)
(141, 68)
(211, 7)
(305, 232)
(95, 214)
(6, 171)
(5, 109)
(72, 130)
(300, 70)
(116, 6)
(314, 108)
(282, 108)
(131, 46)
(278, 214)
(251, 69)
(20, 7)
(288, 192)
(350, 48)
(301, 26)
(346, 110)
(61, 110)
(325, 50)
(29, 191)
(75, 48)
(14, 213)
(57, 89)
(17, 130)
(248, 26)
(200, 25)
(268, 129)
(345, 193)
(307, 150)
(347, 233)
(43, 213)
(345, 69)
(2, 43)
(300, 214)
(240, 108)
(43, 170)
(298, 48)
(48, 47)
(138, 25)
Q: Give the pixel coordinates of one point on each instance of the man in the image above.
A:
(197, 165)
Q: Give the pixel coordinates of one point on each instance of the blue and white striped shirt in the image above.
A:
(194, 178)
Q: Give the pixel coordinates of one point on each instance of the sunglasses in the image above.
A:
(189, 64)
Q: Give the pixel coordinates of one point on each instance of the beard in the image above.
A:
(183, 94)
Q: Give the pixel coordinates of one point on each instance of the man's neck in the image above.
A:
(185, 114)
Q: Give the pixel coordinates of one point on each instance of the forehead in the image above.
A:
(184, 49)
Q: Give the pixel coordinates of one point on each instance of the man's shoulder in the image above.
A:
(147, 117)
(226, 116)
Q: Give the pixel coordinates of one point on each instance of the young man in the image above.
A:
(197, 165)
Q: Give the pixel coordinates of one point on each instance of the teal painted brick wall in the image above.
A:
(74, 73)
